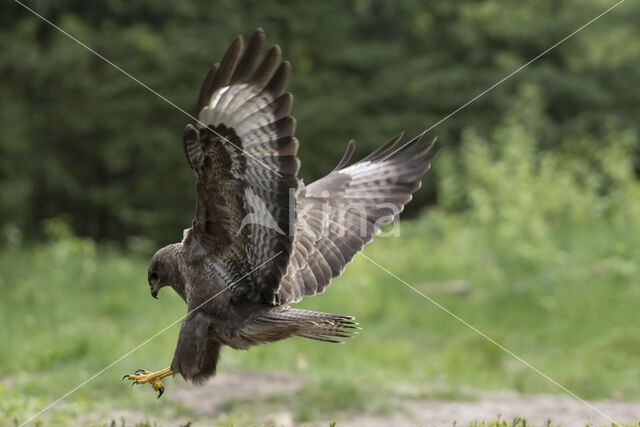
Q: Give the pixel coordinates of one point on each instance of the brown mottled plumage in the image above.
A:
(237, 276)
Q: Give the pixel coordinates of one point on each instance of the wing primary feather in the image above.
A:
(268, 66)
(386, 147)
(250, 57)
(206, 88)
(432, 154)
(283, 105)
(280, 79)
(427, 149)
(419, 151)
(351, 146)
(403, 148)
(228, 64)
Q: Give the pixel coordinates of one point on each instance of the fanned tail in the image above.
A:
(325, 327)
(281, 324)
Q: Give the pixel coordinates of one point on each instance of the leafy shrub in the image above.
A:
(509, 182)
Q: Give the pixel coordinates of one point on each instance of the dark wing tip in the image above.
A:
(384, 148)
(237, 42)
(351, 147)
(424, 149)
(417, 151)
(220, 74)
(250, 57)
(268, 67)
(280, 79)
(412, 142)
(206, 88)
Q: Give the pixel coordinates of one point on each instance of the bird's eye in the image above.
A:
(153, 278)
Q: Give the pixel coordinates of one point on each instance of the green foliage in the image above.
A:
(83, 142)
(510, 182)
(532, 237)
(71, 308)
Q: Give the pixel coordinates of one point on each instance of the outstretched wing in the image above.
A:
(244, 145)
(340, 213)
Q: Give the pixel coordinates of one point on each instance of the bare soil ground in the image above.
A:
(207, 398)
(536, 410)
(205, 401)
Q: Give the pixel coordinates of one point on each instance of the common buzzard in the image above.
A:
(261, 239)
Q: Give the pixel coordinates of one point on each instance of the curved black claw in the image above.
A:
(139, 371)
(160, 391)
(134, 383)
(126, 376)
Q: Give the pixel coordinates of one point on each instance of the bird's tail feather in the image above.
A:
(327, 327)
(315, 325)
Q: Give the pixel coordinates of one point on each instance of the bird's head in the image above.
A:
(163, 269)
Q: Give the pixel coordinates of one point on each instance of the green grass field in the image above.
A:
(566, 302)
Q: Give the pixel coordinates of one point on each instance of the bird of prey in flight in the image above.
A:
(261, 239)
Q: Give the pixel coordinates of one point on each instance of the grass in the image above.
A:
(566, 302)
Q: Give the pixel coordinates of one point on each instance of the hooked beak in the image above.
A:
(154, 293)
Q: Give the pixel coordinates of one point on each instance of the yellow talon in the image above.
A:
(154, 378)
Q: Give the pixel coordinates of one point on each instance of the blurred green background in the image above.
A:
(526, 227)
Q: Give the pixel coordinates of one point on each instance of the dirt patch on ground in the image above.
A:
(536, 410)
(206, 400)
